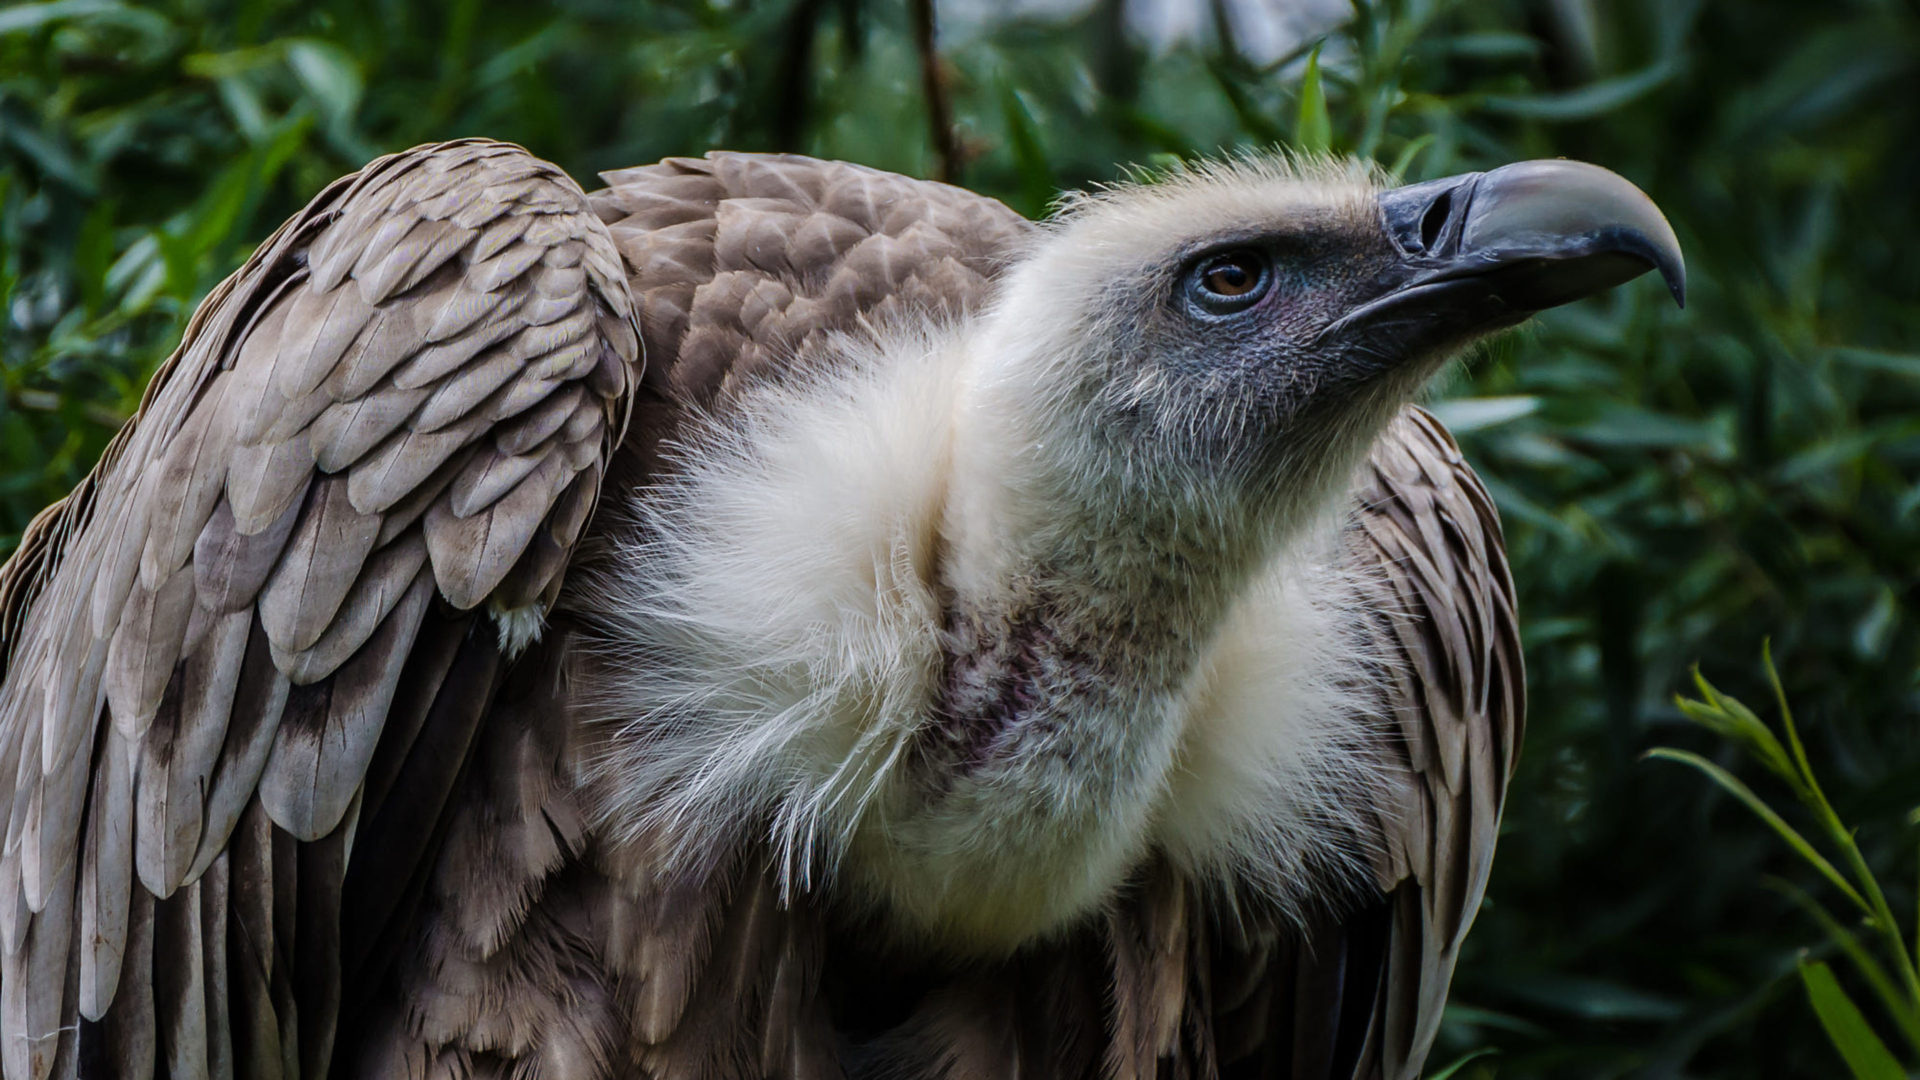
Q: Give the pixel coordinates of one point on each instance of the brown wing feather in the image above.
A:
(1450, 621)
(396, 412)
(742, 262)
(1445, 620)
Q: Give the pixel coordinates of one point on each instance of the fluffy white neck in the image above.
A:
(878, 621)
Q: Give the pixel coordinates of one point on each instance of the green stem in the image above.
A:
(1816, 800)
(1902, 1011)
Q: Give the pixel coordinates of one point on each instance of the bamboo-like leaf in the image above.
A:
(1730, 718)
(1029, 153)
(330, 74)
(1901, 1010)
(30, 17)
(1462, 1062)
(1816, 800)
(1404, 160)
(1733, 786)
(1313, 130)
(1585, 102)
(1867, 1057)
(1232, 82)
(1786, 720)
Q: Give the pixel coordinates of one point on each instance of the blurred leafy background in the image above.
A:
(1676, 484)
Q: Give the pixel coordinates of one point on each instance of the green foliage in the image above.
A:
(1450, 1071)
(1670, 480)
(1313, 131)
(1867, 1057)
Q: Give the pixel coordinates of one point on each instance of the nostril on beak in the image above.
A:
(1435, 221)
(1424, 219)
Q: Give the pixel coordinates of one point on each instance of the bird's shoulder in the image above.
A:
(743, 264)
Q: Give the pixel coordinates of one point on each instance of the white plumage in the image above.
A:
(773, 621)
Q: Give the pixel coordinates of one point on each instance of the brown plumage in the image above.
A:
(293, 790)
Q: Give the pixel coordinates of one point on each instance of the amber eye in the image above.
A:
(1232, 277)
(1229, 281)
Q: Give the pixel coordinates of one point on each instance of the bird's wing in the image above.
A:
(1446, 622)
(743, 262)
(260, 621)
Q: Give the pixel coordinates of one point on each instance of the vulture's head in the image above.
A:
(972, 625)
(1240, 330)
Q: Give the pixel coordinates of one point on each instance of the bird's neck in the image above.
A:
(1070, 571)
(1073, 625)
(1081, 614)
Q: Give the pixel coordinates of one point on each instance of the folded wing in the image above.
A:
(222, 649)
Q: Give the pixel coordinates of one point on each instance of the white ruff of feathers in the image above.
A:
(772, 632)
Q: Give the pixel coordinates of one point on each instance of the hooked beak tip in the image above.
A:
(1550, 231)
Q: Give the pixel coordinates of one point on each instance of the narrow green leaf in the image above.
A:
(1476, 413)
(1494, 45)
(1901, 1010)
(1866, 1056)
(93, 256)
(290, 135)
(1474, 1016)
(1313, 131)
(138, 274)
(1730, 719)
(1786, 717)
(28, 17)
(232, 62)
(1893, 363)
(1733, 786)
(1592, 998)
(330, 74)
(1029, 154)
(1462, 1062)
(244, 105)
(1816, 800)
(1404, 160)
(1631, 427)
(1231, 79)
(1587, 101)
(218, 211)
(522, 56)
(454, 66)
(53, 154)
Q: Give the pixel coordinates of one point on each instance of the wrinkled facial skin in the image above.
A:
(1235, 386)
(1290, 337)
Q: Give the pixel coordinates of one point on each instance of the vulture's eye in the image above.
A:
(1229, 281)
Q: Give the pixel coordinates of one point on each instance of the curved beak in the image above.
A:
(1486, 250)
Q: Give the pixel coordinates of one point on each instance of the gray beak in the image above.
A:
(1486, 250)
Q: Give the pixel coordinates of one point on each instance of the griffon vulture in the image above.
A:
(770, 618)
